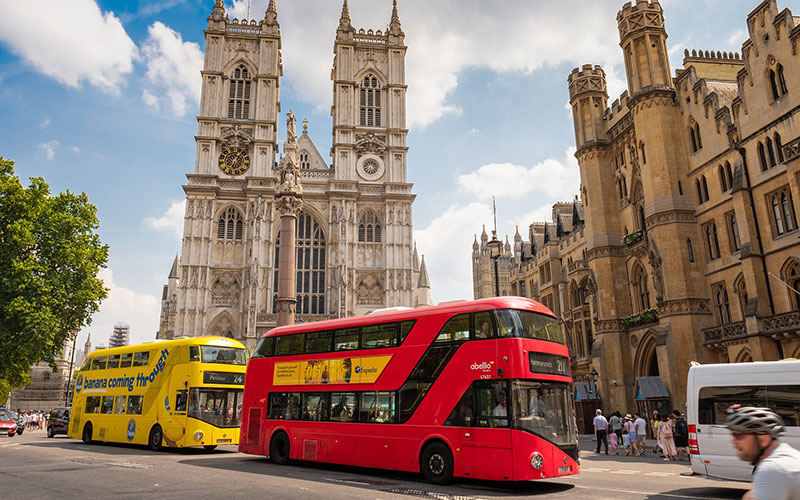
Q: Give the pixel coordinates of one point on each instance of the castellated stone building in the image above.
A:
(355, 250)
(683, 245)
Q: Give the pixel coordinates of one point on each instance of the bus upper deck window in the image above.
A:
(141, 358)
(194, 353)
(505, 323)
(113, 361)
(125, 360)
(484, 326)
(99, 363)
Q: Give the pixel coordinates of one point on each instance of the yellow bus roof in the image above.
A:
(158, 344)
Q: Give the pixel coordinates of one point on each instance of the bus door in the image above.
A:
(486, 444)
(174, 421)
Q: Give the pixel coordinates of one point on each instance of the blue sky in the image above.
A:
(101, 96)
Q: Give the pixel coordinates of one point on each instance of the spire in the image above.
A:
(475, 243)
(305, 126)
(517, 236)
(344, 18)
(217, 15)
(173, 273)
(415, 264)
(271, 15)
(423, 275)
(394, 25)
(484, 236)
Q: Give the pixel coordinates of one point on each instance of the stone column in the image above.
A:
(289, 202)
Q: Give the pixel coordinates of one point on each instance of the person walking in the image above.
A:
(680, 431)
(754, 434)
(629, 436)
(667, 441)
(640, 426)
(615, 426)
(600, 430)
(654, 421)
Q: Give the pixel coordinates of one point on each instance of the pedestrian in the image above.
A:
(754, 434)
(629, 436)
(640, 426)
(654, 421)
(680, 432)
(615, 426)
(613, 443)
(600, 430)
(667, 441)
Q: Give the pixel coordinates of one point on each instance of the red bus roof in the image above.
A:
(406, 314)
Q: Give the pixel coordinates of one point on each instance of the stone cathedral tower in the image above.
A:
(355, 250)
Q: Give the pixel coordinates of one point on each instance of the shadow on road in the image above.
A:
(374, 479)
(706, 492)
(124, 448)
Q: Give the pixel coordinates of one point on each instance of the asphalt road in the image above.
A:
(35, 467)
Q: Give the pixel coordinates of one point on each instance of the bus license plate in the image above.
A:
(566, 468)
(223, 441)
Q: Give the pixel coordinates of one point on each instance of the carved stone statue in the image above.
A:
(291, 122)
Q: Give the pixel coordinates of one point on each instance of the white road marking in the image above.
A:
(623, 471)
(660, 474)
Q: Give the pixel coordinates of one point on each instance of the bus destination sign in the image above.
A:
(223, 378)
(549, 364)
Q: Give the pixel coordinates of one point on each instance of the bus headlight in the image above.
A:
(198, 435)
(537, 460)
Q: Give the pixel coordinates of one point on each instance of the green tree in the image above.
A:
(49, 260)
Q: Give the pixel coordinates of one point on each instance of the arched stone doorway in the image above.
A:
(651, 394)
(223, 326)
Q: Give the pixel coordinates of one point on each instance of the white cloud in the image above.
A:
(48, 149)
(123, 305)
(738, 37)
(473, 131)
(70, 41)
(172, 220)
(550, 179)
(45, 123)
(446, 243)
(75, 149)
(173, 69)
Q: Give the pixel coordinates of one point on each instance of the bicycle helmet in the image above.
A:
(754, 420)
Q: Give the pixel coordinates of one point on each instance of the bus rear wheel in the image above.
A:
(279, 448)
(156, 436)
(210, 447)
(436, 463)
(87, 433)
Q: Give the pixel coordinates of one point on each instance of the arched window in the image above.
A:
(370, 102)
(782, 80)
(624, 186)
(705, 187)
(771, 152)
(777, 81)
(779, 147)
(783, 215)
(239, 94)
(642, 225)
(721, 303)
(641, 294)
(369, 228)
(693, 139)
(762, 158)
(699, 192)
(729, 173)
(697, 134)
(680, 188)
(712, 242)
(773, 84)
(734, 232)
(641, 148)
(791, 274)
(305, 161)
(689, 248)
(310, 266)
(230, 225)
(723, 181)
(740, 289)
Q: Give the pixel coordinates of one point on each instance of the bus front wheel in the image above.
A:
(156, 436)
(87, 433)
(279, 448)
(436, 463)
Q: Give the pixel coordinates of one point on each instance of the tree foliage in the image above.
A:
(49, 259)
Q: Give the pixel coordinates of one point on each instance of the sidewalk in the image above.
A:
(587, 444)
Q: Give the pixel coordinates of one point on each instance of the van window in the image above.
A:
(713, 402)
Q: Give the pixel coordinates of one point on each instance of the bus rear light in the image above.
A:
(694, 449)
(537, 460)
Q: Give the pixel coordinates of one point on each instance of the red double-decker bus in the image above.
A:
(478, 389)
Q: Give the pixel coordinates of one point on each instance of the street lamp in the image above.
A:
(495, 247)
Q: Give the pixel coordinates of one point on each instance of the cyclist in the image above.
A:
(755, 433)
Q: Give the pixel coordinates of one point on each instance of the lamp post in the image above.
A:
(495, 247)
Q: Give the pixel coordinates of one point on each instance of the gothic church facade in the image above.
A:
(355, 250)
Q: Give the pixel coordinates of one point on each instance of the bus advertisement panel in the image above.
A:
(185, 392)
(477, 389)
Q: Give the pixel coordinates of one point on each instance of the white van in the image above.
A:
(713, 388)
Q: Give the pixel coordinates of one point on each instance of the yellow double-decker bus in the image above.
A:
(176, 393)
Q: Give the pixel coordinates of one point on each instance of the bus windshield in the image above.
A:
(526, 324)
(223, 355)
(218, 407)
(544, 408)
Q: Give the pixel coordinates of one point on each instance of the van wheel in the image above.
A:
(279, 448)
(156, 436)
(436, 463)
(50, 432)
(210, 447)
(87, 433)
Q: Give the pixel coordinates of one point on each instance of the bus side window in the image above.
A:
(491, 403)
(134, 405)
(180, 400)
(125, 360)
(376, 336)
(141, 358)
(462, 415)
(484, 325)
(286, 345)
(455, 330)
(113, 361)
(405, 328)
(99, 363)
(119, 405)
(505, 321)
(345, 408)
(346, 339)
(194, 353)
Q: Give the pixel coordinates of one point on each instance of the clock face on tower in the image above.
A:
(234, 161)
